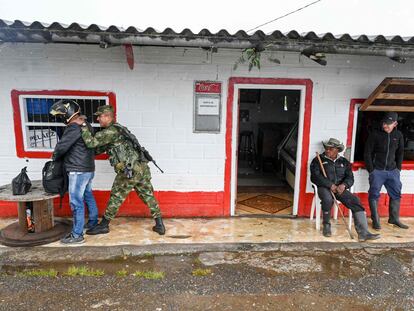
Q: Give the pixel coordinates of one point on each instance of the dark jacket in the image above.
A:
(338, 172)
(71, 147)
(384, 151)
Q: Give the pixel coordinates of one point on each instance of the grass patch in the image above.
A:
(201, 272)
(147, 255)
(150, 275)
(197, 261)
(83, 271)
(121, 273)
(51, 273)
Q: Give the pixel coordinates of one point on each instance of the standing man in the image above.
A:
(383, 155)
(130, 165)
(339, 179)
(79, 162)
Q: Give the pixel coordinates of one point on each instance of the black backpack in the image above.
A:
(55, 178)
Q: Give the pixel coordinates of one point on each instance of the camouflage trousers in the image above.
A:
(122, 186)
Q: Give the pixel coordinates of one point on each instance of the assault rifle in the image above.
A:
(150, 158)
(131, 137)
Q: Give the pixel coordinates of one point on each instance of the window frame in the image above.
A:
(17, 97)
(352, 126)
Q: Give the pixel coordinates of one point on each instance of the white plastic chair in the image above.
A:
(316, 209)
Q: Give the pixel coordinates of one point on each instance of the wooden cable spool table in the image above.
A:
(46, 228)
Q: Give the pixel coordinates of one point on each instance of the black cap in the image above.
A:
(390, 117)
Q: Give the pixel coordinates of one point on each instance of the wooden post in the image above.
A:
(21, 212)
(43, 215)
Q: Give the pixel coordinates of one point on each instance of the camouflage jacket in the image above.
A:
(110, 140)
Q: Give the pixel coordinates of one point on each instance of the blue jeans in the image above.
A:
(391, 181)
(80, 192)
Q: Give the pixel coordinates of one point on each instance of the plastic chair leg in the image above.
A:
(335, 208)
(313, 207)
(318, 214)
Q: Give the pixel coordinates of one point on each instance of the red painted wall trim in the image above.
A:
(190, 204)
(305, 139)
(407, 201)
(351, 116)
(20, 152)
(406, 165)
(172, 204)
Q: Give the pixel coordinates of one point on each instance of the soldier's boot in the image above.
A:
(394, 215)
(101, 228)
(326, 224)
(159, 226)
(373, 206)
(361, 227)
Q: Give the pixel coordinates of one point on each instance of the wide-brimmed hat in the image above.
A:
(334, 143)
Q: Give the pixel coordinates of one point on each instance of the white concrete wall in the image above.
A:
(155, 100)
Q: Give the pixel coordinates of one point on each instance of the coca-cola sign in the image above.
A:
(208, 87)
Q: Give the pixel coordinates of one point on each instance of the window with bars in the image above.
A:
(37, 132)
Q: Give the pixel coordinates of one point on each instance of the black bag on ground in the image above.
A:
(21, 184)
(55, 179)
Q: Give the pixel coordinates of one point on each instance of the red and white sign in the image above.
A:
(208, 87)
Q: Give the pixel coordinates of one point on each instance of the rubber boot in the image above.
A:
(361, 227)
(326, 224)
(101, 228)
(159, 226)
(373, 206)
(394, 215)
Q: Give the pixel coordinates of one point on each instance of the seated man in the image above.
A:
(339, 179)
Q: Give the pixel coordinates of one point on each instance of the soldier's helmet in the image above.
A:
(65, 109)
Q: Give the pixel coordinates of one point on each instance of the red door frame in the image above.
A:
(305, 138)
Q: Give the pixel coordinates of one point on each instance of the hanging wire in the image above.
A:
(280, 17)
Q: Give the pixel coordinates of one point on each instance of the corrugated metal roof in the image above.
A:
(18, 31)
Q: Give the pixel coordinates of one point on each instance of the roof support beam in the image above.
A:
(400, 96)
(391, 108)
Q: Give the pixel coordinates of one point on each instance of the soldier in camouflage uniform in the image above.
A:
(130, 165)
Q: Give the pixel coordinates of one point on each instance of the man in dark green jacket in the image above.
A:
(130, 165)
(339, 178)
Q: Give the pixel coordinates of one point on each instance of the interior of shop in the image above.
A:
(268, 132)
(370, 120)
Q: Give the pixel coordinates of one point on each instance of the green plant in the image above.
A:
(151, 275)
(51, 273)
(122, 273)
(83, 271)
(201, 272)
(147, 255)
(252, 56)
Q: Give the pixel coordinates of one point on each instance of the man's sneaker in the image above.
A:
(90, 225)
(71, 239)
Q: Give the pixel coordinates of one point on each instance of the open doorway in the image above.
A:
(266, 153)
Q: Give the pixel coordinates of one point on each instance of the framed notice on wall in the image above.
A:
(207, 106)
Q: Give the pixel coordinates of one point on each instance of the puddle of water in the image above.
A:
(335, 264)
(341, 264)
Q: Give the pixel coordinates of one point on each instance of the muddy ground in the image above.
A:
(346, 279)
